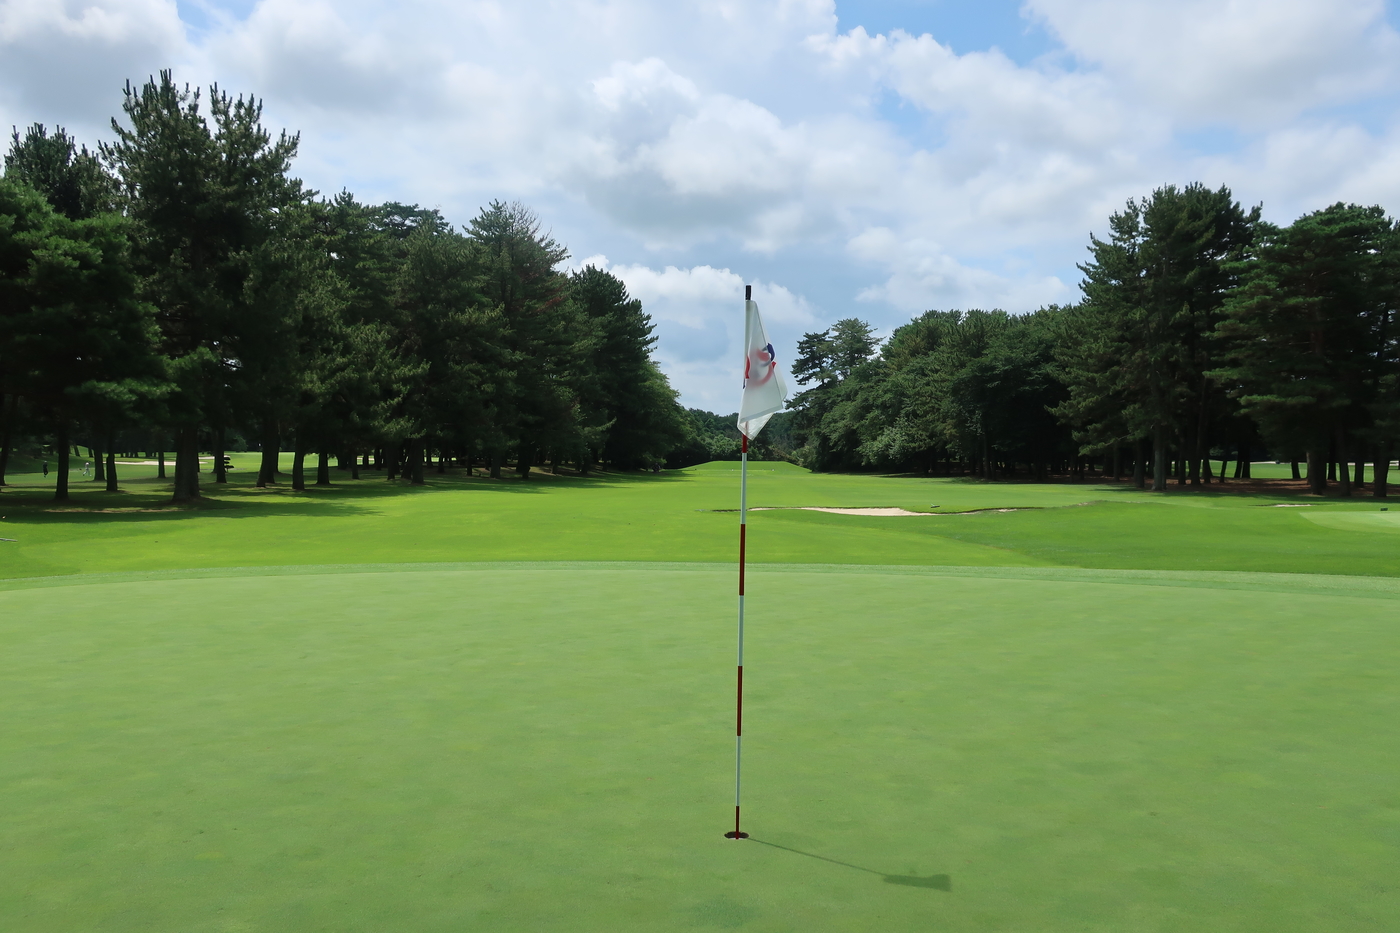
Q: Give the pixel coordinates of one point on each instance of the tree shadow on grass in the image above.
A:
(934, 882)
(144, 499)
(145, 505)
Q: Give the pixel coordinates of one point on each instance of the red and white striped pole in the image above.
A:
(739, 703)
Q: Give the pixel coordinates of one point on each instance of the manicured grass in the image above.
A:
(359, 708)
(547, 747)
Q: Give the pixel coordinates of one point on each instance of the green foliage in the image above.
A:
(1310, 333)
(1138, 349)
(72, 179)
(626, 399)
(342, 327)
(75, 340)
(349, 328)
(974, 386)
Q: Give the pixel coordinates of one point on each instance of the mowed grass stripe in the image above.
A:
(548, 748)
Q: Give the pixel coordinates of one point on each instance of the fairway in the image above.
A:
(548, 746)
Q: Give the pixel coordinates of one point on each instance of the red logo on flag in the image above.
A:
(766, 361)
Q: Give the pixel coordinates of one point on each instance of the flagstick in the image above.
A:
(739, 704)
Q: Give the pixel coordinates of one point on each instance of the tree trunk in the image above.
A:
(323, 468)
(1139, 465)
(416, 453)
(1344, 474)
(186, 487)
(299, 466)
(99, 467)
(1296, 474)
(442, 461)
(111, 464)
(7, 421)
(391, 461)
(1159, 459)
(60, 489)
(1380, 470)
(1317, 472)
(524, 460)
(1360, 479)
(271, 447)
(160, 461)
(220, 471)
(497, 461)
(355, 467)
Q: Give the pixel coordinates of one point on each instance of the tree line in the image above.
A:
(1204, 332)
(179, 284)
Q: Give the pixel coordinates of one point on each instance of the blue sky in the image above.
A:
(870, 159)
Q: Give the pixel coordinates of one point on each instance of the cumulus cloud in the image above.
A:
(66, 61)
(843, 170)
(1241, 61)
(921, 275)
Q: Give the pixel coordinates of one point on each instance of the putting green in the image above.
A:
(543, 747)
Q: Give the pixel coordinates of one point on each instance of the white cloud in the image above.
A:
(1239, 61)
(921, 275)
(65, 61)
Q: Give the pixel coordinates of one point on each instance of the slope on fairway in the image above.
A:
(675, 516)
(547, 747)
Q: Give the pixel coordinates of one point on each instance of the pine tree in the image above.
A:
(77, 341)
(1136, 364)
(1309, 332)
(627, 401)
(72, 179)
(204, 200)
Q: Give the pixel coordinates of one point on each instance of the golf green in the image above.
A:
(548, 746)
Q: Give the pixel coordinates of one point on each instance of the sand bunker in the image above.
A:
(817, 508)
(873, 511)
(883, 512)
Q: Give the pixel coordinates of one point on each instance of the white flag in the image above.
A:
(764, 391)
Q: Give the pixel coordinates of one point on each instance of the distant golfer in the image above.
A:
(46, 468)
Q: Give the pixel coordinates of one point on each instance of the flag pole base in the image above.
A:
(735, 835)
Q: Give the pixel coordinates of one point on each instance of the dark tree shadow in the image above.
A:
(936, 882)
(145, 498)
